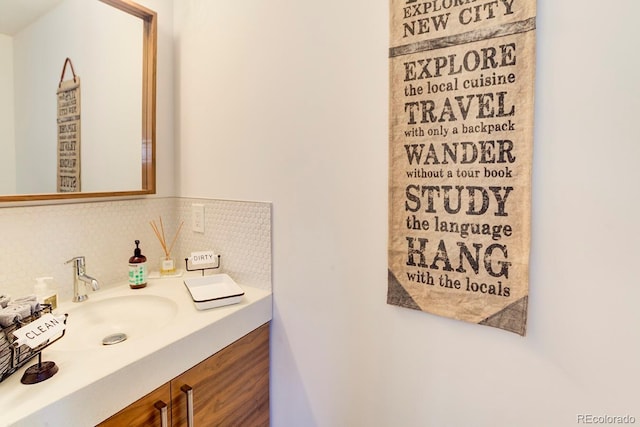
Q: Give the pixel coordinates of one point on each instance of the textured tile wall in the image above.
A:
(239, 231)
(36, 241)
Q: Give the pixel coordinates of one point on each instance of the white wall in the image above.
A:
(7, 148)
(287, 101)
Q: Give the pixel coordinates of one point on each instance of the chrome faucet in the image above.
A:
(80, 280)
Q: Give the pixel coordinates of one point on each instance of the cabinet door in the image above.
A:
(145, 412)
(230, 388)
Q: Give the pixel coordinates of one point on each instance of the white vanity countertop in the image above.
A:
(95, 383)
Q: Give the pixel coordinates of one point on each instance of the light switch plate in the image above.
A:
(197, 211)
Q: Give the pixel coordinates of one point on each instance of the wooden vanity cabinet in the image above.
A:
(143, 412)
(229, 388)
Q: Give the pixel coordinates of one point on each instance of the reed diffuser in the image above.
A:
(167, 265)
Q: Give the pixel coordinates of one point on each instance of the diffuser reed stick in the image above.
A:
(159, 232)
(173, 242)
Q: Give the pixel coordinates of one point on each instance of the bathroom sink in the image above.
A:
(135, 316)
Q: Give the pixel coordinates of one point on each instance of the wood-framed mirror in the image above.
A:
(113, 46)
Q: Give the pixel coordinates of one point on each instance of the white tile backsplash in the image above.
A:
(239, 231)
(36, 241)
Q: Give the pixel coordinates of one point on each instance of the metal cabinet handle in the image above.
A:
(162, 407)
(188, 390)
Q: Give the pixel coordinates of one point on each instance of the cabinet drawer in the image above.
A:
(229, 388)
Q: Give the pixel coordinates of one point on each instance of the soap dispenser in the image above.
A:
(44, 293)
(137, 268)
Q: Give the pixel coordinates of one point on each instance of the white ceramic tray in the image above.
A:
(213, 291)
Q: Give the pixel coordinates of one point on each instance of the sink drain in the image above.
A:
(114, 339)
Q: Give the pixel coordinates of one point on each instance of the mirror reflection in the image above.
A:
(110, 58)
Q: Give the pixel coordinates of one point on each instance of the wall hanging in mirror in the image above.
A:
(68, 132)
(461, 142)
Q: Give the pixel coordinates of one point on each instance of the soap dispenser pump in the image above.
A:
(44, 293)
(137, 268)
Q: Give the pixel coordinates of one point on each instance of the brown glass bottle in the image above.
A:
(137, 268)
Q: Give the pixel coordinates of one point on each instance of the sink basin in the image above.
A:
(90, 322)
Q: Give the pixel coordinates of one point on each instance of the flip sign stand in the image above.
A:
(205, 258)
(33, 335)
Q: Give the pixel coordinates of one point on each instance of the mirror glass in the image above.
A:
(111, 45)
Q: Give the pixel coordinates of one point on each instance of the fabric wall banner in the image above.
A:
(460, 144)
(68, 133)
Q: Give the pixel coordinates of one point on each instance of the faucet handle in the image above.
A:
(79, 263)
(78, 259)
